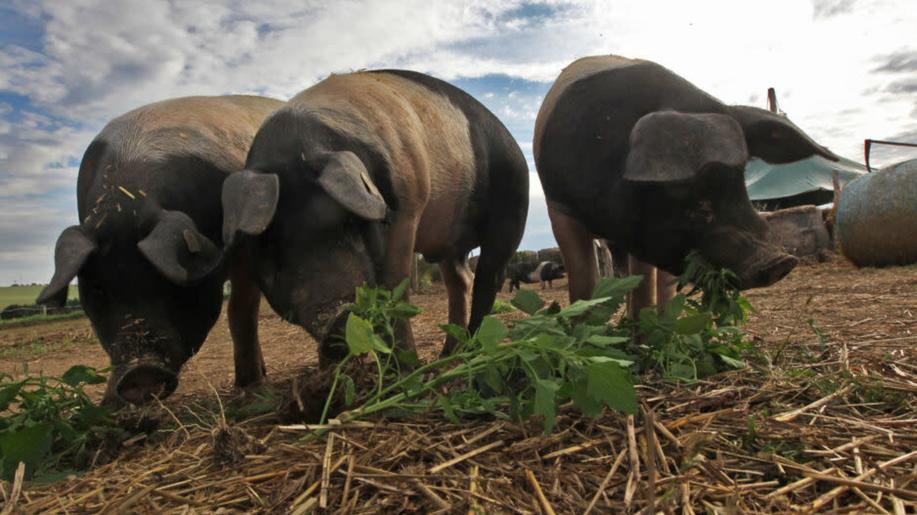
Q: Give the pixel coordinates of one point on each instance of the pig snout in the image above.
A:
(766, 270)
(140, 382)
(333, 346)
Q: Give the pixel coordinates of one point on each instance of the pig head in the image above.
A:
(315, 237)
(153, 305)
(692, 165)
(148, 251)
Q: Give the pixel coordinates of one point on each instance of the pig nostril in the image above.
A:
(143, 383)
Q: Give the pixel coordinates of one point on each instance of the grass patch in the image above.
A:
(27, 294)
(40, 319)
(38, 348)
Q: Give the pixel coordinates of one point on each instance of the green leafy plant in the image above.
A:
(693, 337)
(501, 306)
(720, 294)
(554, 356)
(49, 422)
(551, 357)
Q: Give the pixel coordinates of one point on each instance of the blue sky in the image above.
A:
(844, 70)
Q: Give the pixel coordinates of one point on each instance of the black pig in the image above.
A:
(148, 250)
(355, 174)
(628, 151)
(543, 272)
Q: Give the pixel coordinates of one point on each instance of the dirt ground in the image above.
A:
(856, 305)
(808, 426)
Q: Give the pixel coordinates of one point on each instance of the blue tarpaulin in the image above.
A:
(801, 182)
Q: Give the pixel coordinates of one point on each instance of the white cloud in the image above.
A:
(841, 68)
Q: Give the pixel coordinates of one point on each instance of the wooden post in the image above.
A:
(603, 258)
(772, 100)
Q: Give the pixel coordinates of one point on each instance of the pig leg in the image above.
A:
(665, 287)
(244, 301)
(457, 277)
(399, 257)
(502, 235)
(645, 293)
(575, 243)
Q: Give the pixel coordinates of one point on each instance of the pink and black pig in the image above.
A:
(357, 173)
(543, 272)
(148, 251)
(628, 151)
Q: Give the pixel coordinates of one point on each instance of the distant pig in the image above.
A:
(355, 174)
(543, 272)
(630, 152)
(148, 250)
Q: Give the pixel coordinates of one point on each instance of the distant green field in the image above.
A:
(26, 294)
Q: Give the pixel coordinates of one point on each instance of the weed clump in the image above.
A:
(50, 424)
(555, 356)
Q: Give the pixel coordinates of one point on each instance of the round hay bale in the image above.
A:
(798, 230)
(876, 217)
(524, 256)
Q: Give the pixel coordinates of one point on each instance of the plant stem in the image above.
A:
(334, 385)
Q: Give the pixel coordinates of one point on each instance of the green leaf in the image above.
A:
(359, 335)
(490, 333)
(8, 394)
(552, 309)
(399, 290)
(349, 390)
(29, 444)
(379, 345)
(490, 377)
(91, 415)
(582, 306)
(676, 306)
(445, 404)
(682, 370)
(403, 310)
(732, 362)
(407, 358)
(692, 324)
(501, 307)
(527, 301)
(705, 366)
(611, 384)
(620, 361)
(583, 401)
(598, 339)
(544, 403)
(78, 374)
(456, 331)
(616, 288)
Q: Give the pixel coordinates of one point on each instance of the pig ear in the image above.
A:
(72, 249)
(249, 203)
(774, 138)
(178, 251)
(668, 146)
(346, 179)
